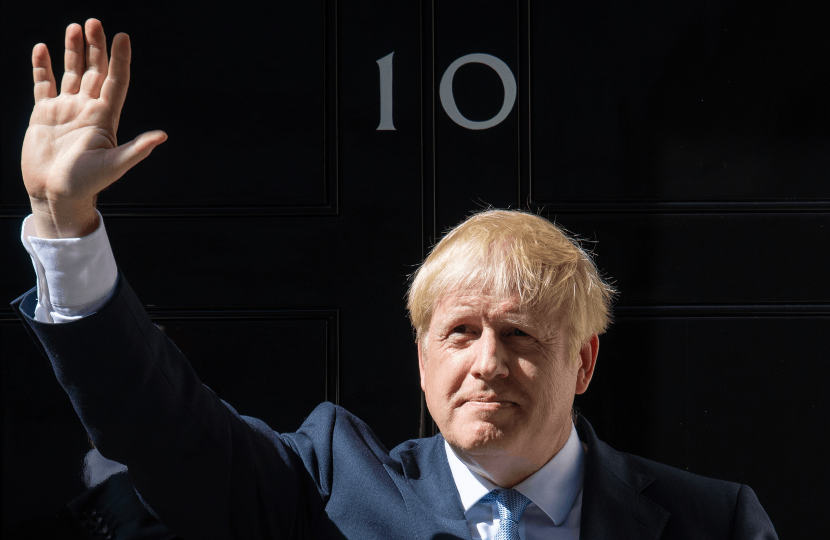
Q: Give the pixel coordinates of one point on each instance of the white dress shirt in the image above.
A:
(76, 276)
(555, 492)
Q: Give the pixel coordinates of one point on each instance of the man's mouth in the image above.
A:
(489, 403)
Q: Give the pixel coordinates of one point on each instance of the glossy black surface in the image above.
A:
(272, 234)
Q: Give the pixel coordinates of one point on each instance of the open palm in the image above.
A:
(70, 152)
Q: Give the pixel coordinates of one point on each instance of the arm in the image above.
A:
(206, 471)
(203, 469)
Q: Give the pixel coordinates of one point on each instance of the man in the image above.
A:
(507, 311)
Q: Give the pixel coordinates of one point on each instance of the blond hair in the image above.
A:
(509, 252)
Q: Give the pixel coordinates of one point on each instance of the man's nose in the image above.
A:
(490, 357)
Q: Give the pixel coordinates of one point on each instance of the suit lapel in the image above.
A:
(429, 490)
(613, 506)
(612, 503)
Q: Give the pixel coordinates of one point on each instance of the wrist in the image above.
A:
(65, 219)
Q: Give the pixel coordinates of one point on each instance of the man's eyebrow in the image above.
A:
(457, 312)
(465, 307)
(521, 318)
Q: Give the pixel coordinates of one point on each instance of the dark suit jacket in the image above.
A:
(211, 473)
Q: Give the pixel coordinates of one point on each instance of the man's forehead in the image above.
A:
(508, 308)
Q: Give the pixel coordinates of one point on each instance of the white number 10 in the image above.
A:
(445, 91)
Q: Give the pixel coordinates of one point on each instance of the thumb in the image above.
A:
(126, 156)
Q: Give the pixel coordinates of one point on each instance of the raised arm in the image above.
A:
(206, 471)
(71, 152)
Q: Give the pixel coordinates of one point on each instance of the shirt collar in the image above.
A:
(553, 488)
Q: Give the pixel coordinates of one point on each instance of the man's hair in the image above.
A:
(507, 252)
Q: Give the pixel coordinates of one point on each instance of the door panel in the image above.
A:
(231, 97)
(43, 442)
(710, 259)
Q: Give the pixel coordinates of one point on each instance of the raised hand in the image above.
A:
(70, 152)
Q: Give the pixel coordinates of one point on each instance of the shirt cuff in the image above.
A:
(75, 276)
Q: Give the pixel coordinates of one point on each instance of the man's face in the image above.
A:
(498, 380)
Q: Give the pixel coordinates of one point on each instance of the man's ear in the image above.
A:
(421, 360)
(587, 362)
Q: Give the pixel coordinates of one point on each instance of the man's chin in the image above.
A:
(479, 437)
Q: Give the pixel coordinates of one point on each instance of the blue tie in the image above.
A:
(511, 505)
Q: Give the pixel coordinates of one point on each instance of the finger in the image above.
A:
(96, 59)
(114, 90)
(123, 158)
(45, 86)
(73, 59)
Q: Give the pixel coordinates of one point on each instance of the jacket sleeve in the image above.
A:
(112, 510)
(750, 521)
(206, 471)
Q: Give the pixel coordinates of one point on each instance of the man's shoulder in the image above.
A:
(684, 492)
(679, 502)
(333, 426)
(679, 479)
(641, 473)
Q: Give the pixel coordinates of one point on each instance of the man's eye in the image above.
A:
(460, 329)
(518, 333)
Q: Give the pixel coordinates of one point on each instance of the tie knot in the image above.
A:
(511, 503)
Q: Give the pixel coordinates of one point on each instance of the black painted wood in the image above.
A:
(42, 440)
(689, 140)
(710, 259)
(677, 102)
(230, 96)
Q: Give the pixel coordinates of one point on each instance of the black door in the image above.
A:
(318, 149)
